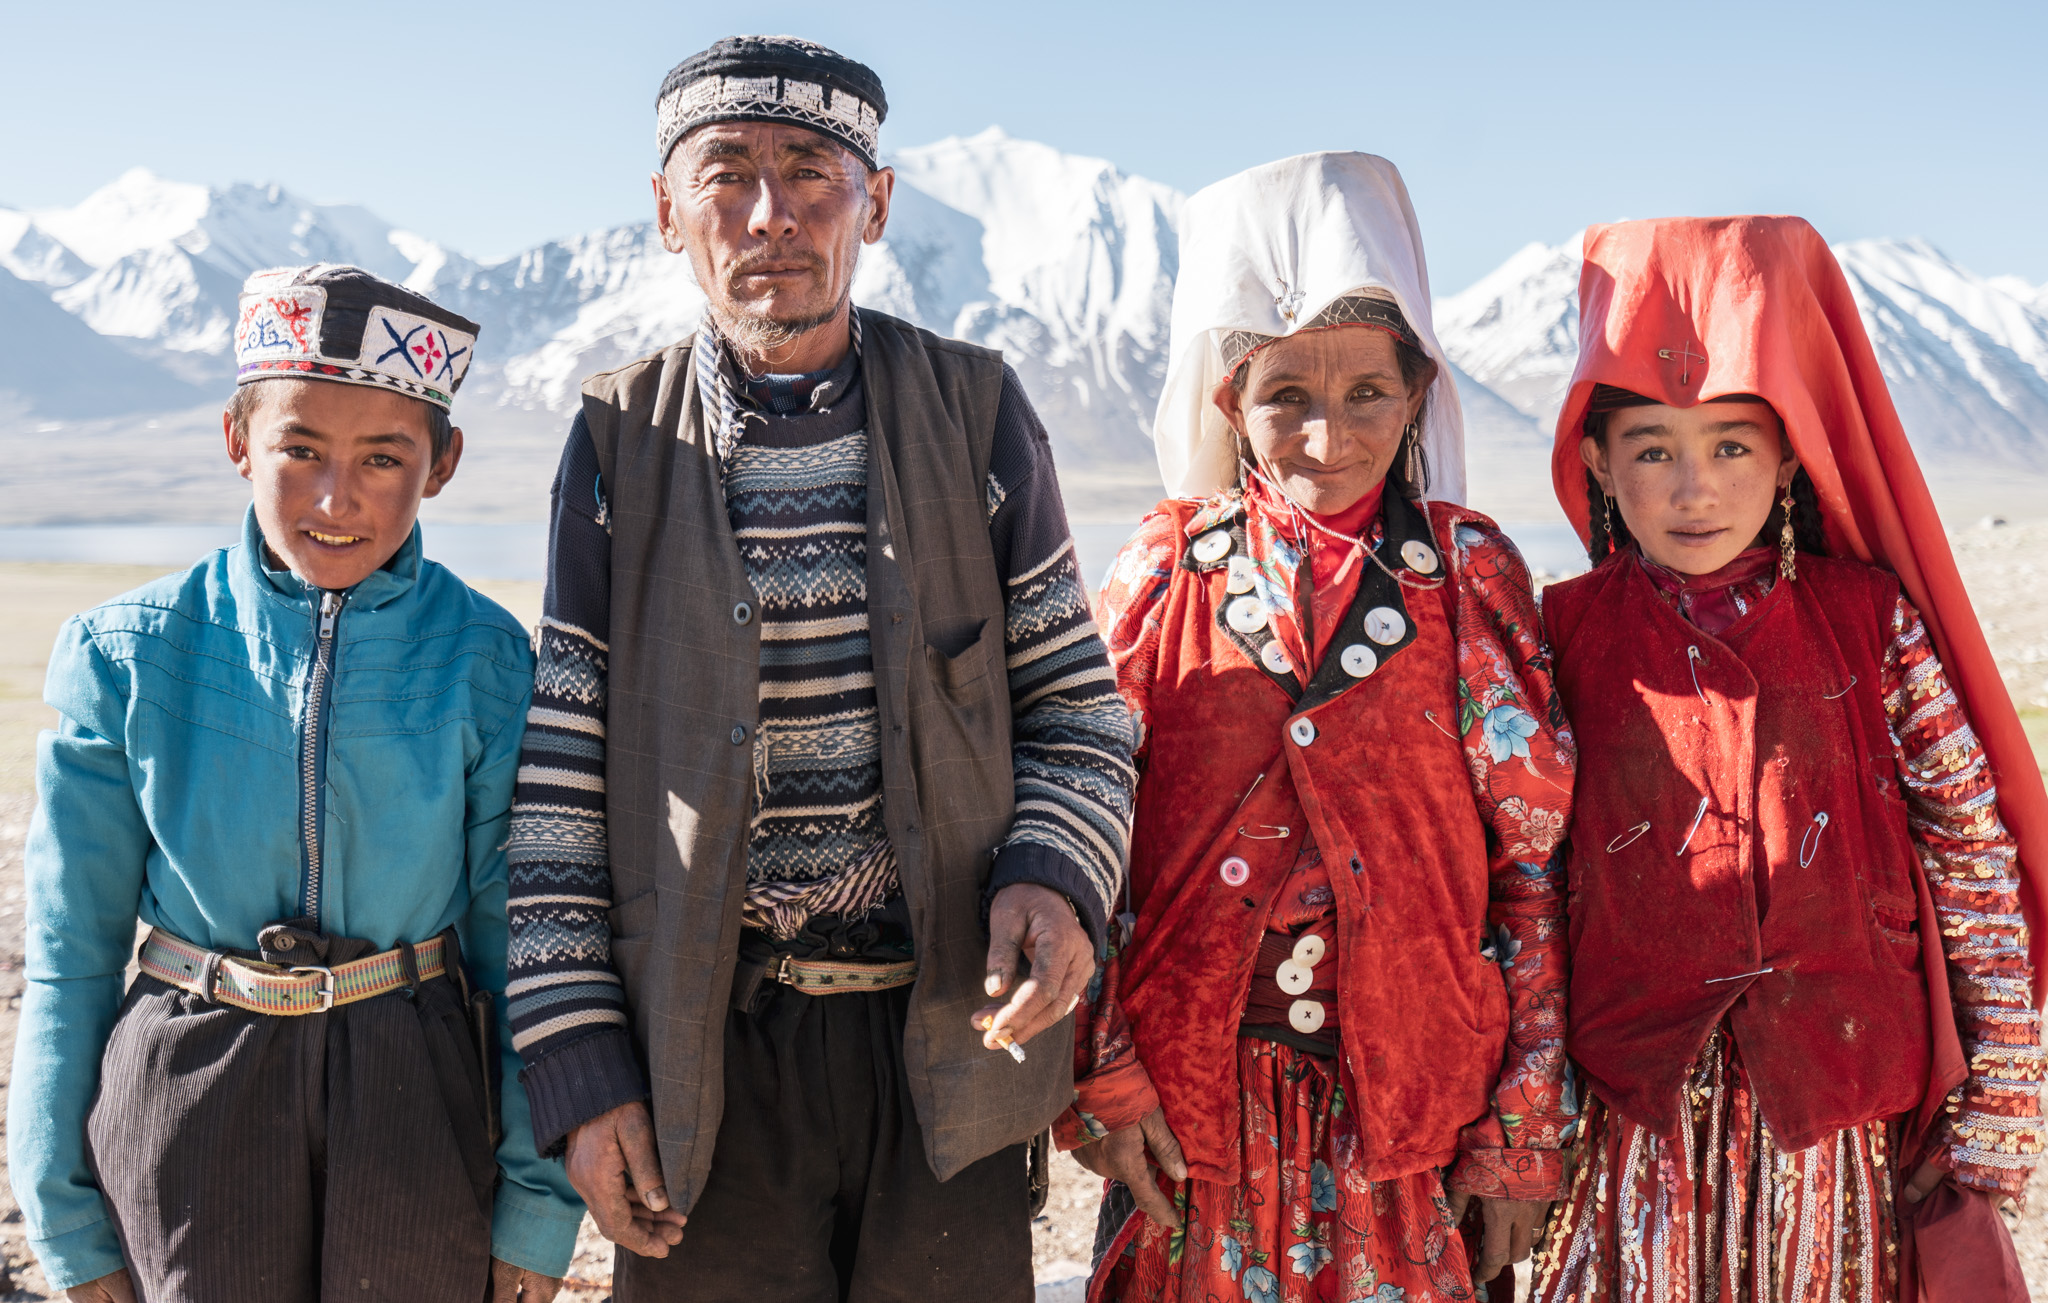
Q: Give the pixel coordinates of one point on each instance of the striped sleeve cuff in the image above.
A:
(589, 1076)
(1021, 862)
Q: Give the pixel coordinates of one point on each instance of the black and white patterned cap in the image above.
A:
(334, 322)
(772, 79)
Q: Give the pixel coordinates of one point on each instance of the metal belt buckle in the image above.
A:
(782, 973)
(326, 983)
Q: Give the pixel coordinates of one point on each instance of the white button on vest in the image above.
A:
(1359, 660)
(1385, 625)
(1293, 978)
(1420, 556)
(1241, 572)
(1235, 871)
(1274, 657)
(1246, 615)
(1309, 951)
(1303, 731)
(1306, 1016)
(1212, 546)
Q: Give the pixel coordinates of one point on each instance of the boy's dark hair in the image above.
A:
(248, 399)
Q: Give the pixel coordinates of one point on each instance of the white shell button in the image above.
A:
(1420, 556)
(1274, 657)
(1359, 660)
(1241, 572)
(1303, 731)
(1306, 1016)
(1309, 950)
(1235, 871)
(1246, 615)
(1293, 978)
(1212, 546)
(1384, 625)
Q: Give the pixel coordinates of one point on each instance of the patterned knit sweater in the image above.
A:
(796, 496)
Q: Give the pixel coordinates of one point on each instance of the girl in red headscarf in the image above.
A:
(1806, 819)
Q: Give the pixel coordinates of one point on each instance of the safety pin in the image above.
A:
(1627, 836)
(1281, 831)
(1698, 815)
(1693, 659)
(1813, 831)
(1430, 715)
(1248, 792)
(1738, 977)
(1837, 696)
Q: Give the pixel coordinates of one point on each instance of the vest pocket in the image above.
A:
(1900, 928)
(960, 652)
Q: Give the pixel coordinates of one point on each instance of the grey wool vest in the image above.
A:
(681, 709)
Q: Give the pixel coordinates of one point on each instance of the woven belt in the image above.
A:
(273, 988)
(830, 977)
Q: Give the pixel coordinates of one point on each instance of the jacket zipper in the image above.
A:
(313, 755)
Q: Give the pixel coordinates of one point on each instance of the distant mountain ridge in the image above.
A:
(124, 304)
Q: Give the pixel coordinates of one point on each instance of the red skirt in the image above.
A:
(1303, 1225)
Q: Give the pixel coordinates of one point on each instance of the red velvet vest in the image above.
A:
(1238, 753)
(1740, 850)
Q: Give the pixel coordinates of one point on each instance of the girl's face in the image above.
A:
(1324, 411)
(1694, 484)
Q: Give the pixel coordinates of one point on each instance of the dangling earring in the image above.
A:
(1411, 439)
(1788, 563)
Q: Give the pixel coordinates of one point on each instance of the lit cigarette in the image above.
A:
(1009, 1043)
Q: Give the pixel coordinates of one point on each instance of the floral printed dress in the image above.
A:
(1303, 1223)
(1721, 1211)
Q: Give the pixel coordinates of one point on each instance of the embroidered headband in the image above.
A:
(340, 323)
(772, 79)
(1351, 310)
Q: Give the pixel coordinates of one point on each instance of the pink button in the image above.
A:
(1235, 871)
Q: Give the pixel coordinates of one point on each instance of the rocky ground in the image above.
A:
(2004, 566)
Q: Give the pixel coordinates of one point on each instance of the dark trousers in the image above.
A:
(819, 1188)
(322, 1157)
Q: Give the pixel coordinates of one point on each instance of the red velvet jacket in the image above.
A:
(1740, 850)
(1376, 768)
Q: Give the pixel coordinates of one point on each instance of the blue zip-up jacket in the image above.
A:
(172, 791)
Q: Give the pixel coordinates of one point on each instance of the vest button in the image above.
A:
(1274, 657)
(1385, 625)
(1212, 546)
(743, 613)
(1247, 614)
(1303, 731)
(1235, 871)
(739, 734)
(1242, 576)
(1419, 556)
(1359, 660)
(1292, 977)
(1309, 950)
(1306, 1016)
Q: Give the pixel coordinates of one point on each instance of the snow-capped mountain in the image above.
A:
(121, 308)
(1966, 357)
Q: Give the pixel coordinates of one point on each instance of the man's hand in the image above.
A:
(1510, 1230)
(1034, 925)
(510, 1284)
(114, 1287)
(611, 1163)
(1120, 1156)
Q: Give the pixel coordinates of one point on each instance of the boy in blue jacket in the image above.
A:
(294, 762)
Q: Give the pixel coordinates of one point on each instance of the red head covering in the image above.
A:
(1685, 309)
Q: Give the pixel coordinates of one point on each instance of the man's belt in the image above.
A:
(274, 988)
(818, 976)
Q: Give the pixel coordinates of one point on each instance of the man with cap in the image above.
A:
(827, 785)
(294, 763)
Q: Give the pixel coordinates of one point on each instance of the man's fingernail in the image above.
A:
(657, 1198)
(994, 984)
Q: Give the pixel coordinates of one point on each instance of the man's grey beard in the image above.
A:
(757, 335)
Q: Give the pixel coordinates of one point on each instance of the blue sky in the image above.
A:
(494, 127)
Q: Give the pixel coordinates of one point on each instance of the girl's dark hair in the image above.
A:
(1609, 532)
(1418, 370)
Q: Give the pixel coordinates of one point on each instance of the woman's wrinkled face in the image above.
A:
(1323, 412)
(1695, 485)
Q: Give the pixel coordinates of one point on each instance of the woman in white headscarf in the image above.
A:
(1335, 1016)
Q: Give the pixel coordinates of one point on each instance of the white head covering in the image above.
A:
(1266, 251)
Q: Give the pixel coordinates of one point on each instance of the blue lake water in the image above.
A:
(519, 551)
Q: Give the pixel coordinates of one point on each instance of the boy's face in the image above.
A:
(339, 471)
